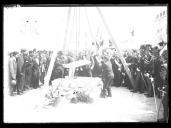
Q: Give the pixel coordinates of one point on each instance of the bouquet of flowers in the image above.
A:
(81, 97)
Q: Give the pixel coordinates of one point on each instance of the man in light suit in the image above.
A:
(12, 72)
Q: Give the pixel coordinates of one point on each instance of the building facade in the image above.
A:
(160, 26)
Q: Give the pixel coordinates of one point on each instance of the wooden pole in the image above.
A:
(54, 54)
(117, 49)
(49, 72)
(89, 26)
(76, 32)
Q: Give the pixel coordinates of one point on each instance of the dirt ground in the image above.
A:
(123, 106)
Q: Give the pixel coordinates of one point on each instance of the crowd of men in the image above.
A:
(28, 69)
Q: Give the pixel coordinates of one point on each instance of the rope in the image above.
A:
(72, 27)
(89, 26)
(117, 49)
(66, 29)
(76, 31)
(87, 38)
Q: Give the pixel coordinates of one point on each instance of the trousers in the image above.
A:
(107, 83)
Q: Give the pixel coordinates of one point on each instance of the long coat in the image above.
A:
(35, 73)
(28, 72)
(20, 72)
(115, 68)
(13, 68)
(156, 75)
(12, 72)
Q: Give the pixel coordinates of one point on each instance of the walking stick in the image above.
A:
(163, 93)
(155, 100)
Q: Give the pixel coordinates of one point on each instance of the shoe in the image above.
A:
(133, 91)
(109, 95)
(19, 92)
(148, 95)
(12, 94)
(102, 96)
(161, 120)
(141, 92)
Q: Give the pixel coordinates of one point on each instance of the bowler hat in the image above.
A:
(23, 50)
(13, 82)
(15, 53)
(34, 50)
(161, 43)
(30, 52)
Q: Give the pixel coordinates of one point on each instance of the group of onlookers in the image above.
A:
(148, 68)
(27, 69)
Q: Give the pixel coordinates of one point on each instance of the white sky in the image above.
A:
(46, 26)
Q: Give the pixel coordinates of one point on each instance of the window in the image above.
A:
(163, 12)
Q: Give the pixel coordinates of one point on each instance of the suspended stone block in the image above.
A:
(77, 63)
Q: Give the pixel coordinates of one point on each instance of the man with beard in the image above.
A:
(29, 65)
(142, 83)
(129, 58)
(35, 71)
